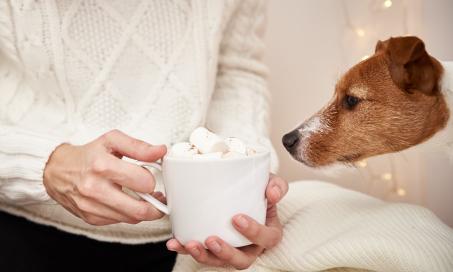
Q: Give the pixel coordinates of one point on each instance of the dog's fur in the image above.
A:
(400, 103)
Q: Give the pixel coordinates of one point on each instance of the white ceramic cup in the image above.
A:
(203, 195)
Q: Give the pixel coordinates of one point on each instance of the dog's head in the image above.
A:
(386, 103)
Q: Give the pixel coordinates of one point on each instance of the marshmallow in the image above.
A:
(251, 151)
(183, 149)
(206, 145)
(207, 142)
(236, 145)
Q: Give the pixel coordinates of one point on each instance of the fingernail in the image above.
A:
(214, 246)
(277, 191)
(171, 245)
(242, 222)
(194, 251)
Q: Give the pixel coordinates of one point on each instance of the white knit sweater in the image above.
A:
(73, 69)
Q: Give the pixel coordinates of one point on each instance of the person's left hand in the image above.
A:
(262, 236)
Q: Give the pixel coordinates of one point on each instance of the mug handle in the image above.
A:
(156, 203)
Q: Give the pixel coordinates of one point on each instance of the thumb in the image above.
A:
(119, 143)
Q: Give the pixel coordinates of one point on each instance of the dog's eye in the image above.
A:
(351, 101)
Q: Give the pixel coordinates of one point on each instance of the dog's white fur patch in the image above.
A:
(312, 126)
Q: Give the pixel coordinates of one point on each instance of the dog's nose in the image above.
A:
(291, 139)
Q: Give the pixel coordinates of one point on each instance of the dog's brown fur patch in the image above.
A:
(400, 106)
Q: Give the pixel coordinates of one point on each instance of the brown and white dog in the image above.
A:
(396, 99)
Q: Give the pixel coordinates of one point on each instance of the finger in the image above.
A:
(118, 142)
(201, 255)
(115, 198)
(124, 173)
(97, 220)
(276, 189)
(93, 207)
(159, 196)
(258, 234)
(174, 245)
(230, 255)
(70, 204)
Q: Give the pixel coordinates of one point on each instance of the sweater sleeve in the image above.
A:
(23, 157)
(240, 103)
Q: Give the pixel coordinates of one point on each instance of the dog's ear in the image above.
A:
(410, 66)
(380, 46)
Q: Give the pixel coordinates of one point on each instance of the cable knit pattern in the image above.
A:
(330, 228)
(74, 69)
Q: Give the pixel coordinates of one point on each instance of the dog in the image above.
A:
(397, 98)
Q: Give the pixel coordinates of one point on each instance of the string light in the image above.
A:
(401, 192)
(386, 176)
(387, 3)
(360, 32)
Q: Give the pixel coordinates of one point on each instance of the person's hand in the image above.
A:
(87, 180)
(262, 236)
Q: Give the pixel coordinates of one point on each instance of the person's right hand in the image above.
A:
(87, 180)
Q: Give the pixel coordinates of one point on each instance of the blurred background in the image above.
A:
(311, 43)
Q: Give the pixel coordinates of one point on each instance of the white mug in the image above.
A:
(203, 195)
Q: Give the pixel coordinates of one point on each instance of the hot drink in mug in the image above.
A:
(209, 182)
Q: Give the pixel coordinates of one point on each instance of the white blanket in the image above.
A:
(328, 227)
